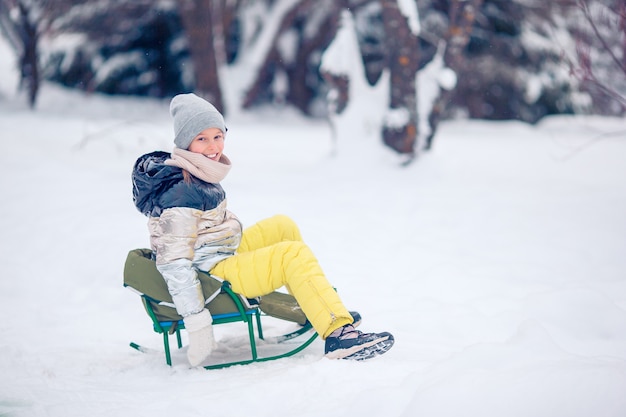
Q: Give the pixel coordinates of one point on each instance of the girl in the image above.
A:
(191, 229)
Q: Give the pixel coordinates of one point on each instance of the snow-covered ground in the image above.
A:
(498, 261)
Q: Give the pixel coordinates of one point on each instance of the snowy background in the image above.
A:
(498, 261)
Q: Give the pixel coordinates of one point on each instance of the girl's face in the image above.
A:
(209, 142)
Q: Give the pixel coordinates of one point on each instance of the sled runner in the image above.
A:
(141, 276)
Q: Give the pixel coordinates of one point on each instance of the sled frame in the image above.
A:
(249, 316)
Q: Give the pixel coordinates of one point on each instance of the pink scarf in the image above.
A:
(199, 165)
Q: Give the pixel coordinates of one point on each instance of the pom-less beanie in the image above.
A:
(192, 115)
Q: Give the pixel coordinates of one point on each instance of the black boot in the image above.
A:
(349, 343)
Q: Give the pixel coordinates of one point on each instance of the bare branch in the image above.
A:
(587, 13)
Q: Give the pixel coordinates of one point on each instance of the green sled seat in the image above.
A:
(141, 276)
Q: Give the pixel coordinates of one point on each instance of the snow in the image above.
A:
(342, 57)
(408, 8)
(429, 82)
(118, 63)
(397, 118)
(496, 260)
(66, 45)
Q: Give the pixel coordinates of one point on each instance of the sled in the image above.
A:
(141, 276)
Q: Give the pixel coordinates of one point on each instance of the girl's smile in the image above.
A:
(209, 142)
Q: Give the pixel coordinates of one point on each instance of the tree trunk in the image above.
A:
(202, 30)
(23, 35)
(402, 61)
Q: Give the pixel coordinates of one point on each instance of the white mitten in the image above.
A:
(201, 341)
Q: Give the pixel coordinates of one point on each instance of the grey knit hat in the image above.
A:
(192, 115)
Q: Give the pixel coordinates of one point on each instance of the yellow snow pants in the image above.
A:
(272, 255)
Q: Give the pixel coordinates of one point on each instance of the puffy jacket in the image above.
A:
(190, 227)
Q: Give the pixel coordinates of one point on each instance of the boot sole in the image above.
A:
(371, 352)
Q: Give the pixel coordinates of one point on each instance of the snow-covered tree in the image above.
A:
(19, 22)
(599, 59)
(280, 51)
(436, 59)
(343, 70)
(118, 47)
(418, 76)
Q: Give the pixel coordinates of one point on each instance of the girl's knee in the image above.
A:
(288, 228)
(283, 220)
